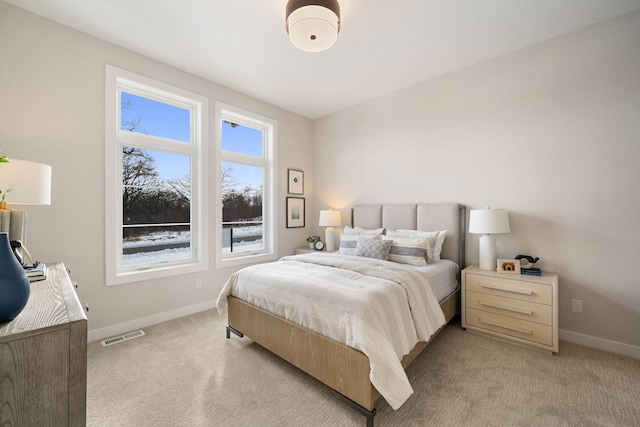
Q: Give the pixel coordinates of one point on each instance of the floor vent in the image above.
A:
(122, 338)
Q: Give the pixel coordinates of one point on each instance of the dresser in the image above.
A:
(43, 357)
(514, 307)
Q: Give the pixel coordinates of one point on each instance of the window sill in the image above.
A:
(245, 260)
(155, 273)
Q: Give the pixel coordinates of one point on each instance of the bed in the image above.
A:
(345, 369)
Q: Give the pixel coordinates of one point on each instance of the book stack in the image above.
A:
(531, 271)
(36, 272)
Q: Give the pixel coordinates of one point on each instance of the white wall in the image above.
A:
(52, 110)
(550, 133)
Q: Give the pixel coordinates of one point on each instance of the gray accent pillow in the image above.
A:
(409, 251)
(370, 248)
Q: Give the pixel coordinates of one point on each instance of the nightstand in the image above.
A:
(513, 307)
(310, 251)
(304, 251)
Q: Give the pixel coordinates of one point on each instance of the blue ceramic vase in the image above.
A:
(14, 283)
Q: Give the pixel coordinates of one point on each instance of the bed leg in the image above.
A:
(364, 411)
(230, 329)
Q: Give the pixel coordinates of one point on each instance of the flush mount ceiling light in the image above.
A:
(313, 26)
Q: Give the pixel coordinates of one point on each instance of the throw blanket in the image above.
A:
(379, 307)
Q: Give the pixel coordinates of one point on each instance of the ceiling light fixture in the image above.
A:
(313, 26)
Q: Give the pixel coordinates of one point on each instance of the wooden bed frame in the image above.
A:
(343, 368)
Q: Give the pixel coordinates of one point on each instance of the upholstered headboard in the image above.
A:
(421, 216)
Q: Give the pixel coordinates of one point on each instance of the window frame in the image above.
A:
(118, 80)
(268, 162)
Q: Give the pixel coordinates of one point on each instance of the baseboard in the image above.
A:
(600, 343)
(143, 322)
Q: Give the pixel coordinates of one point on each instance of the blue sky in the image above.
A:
(160, 119)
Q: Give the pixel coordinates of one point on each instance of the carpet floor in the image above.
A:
(186, 373)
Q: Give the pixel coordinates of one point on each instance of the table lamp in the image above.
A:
(330, 219)
(29, 184)
(487, 222)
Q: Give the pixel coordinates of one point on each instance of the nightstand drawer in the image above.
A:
(530, 331)
(525, 310)
(510, 288)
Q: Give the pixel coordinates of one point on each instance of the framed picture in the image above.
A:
(296, 182)
(509, 266)
(295, 212)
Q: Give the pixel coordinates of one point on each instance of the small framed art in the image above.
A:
(296, 181)
(295, 212)
(509, 266)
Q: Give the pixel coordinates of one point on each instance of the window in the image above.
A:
(245, 182)
(155, 194)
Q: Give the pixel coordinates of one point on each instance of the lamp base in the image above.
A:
(330, 239)
(487, 252)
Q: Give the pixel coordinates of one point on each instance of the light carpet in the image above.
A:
(186, 373)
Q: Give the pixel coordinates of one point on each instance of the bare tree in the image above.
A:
(132, 124)
(138, 175)
(227, 181)
(181, 186)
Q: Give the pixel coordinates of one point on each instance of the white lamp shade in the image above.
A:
(489, 221)
(330, 218)
(313, 27)
(30, 182)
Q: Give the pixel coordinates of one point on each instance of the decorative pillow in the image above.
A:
(437, 248)
(348, 243)
(436, 239)
(373, 248)
(409, 251)
(358, 231)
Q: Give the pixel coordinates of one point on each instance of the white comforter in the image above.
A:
(381, 308)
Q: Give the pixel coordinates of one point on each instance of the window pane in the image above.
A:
(144, 115)
(156, 205)
(146, 245)
(241, 139)
(242, 200)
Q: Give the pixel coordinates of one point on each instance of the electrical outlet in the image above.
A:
(576, 305)
(198, 283)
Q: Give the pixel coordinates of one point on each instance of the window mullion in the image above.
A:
(138, 140)
(243, 158)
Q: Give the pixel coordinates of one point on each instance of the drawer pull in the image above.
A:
(511, 328)
(506, 288)
(507, 308)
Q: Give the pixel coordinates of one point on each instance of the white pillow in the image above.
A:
(409, 251)
(359, 231)
(349, 242)
(436, 239)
